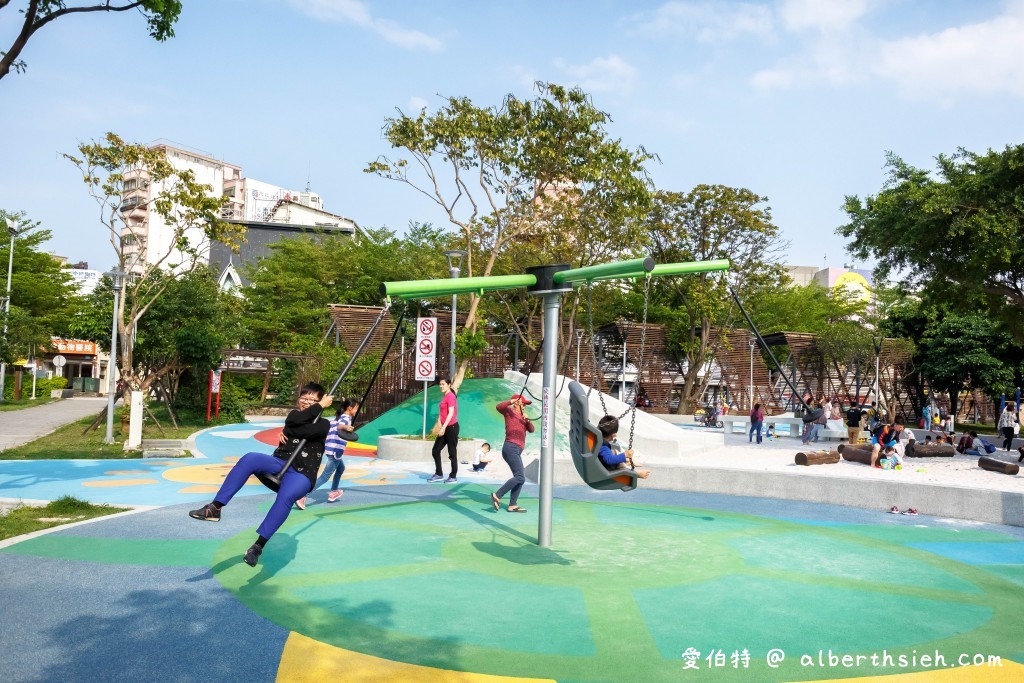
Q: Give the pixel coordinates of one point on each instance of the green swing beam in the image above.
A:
(620, 270)
(562, 281)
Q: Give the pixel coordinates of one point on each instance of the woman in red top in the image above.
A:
(756, 421)
(447, 433)
(516, 427)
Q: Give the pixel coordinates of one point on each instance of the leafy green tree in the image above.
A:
(187, 208)
(43, 297)
(538, 171)
(967, 352)
(285, 304)
(160, 15)
(957, 237)
(710, 222)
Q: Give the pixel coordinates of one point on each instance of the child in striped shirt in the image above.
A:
(334, 449)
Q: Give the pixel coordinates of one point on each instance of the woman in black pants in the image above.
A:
(447, 433)
(1006, 423)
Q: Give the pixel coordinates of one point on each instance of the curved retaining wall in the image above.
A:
(418, 450)
(980, 505)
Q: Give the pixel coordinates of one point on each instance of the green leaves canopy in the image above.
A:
(958, 236)
(44, 298)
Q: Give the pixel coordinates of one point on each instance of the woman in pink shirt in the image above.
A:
(447, 433)
(516, 427)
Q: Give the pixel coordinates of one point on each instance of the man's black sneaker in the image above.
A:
(208, 513)
(252, 555)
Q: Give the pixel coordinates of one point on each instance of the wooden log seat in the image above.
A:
(995, 465)
(817, 458)
(915, 449)
(855, 453)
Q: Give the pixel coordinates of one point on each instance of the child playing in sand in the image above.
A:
(770, 434)
(611, 454)
(481, 458)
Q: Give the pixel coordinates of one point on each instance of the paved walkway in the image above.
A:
(18, 427)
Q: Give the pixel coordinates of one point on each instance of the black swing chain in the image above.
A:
(640, 361)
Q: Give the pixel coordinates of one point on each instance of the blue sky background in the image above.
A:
(797, 100)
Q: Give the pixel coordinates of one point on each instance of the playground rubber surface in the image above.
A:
(420, 582)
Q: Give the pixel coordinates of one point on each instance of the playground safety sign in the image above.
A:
(426, 349)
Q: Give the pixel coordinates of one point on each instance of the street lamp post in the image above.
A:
(455, 257)
(117, 279)
(7, 300)
(877, 342)
(753, 343)
(579, 343)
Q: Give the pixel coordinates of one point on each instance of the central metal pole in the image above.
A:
(111, 368)
(552, 305)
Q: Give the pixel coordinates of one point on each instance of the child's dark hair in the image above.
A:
(313, 388)
(346, 403)
(608, 425)
(486, 444)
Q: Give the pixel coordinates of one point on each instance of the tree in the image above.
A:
(957, 237)
(160, 15)
(517, 172)
(188, 209)
(43, 297)
(963, 352)
(710, 222)
(286, 301)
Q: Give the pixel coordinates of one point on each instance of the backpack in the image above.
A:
(989, 447)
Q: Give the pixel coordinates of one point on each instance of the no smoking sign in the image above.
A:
(426, 349)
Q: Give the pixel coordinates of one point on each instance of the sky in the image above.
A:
(796, 100)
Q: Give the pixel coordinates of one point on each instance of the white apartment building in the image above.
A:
(146, 239)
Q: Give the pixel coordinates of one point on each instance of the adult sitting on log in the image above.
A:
(885, 435)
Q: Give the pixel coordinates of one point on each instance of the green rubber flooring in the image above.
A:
(624, 590)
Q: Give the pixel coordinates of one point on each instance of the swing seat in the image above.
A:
(585, 443)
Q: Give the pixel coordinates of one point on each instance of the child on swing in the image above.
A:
(611, 454)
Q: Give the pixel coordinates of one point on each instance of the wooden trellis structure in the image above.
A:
(248, 362)
(813, 374)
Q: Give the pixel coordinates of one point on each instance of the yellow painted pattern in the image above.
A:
(199, 489)
(305, 659)
(119, 482)
(212, 474)
(1008, 672)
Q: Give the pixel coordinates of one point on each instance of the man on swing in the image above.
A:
(302, 423)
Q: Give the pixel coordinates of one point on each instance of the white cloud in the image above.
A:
(417, 104)
(358, 13)
(984, 57)
(603, 74)
(708, 22)
(823, 15)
